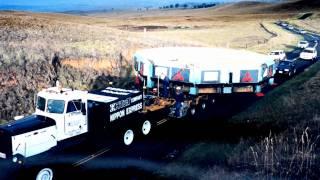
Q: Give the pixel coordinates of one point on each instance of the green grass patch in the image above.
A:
(180, 171)
(205, 153)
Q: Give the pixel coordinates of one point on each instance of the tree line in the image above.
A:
(188, 6)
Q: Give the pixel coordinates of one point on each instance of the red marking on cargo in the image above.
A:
(247, 78)
(178, 76)
(259, 94)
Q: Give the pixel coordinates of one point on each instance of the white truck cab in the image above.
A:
(66, 107)
(60, 114)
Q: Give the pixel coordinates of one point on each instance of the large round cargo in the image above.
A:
(197, 67)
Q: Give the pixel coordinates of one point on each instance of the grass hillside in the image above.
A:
(297, 5)
(311, 23)
(251, 7)
(292, 109)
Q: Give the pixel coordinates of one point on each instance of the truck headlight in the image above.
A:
(286, 69)
(15, 159)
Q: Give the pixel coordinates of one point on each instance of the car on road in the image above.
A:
(278, 22)
(302, 31)
(303, 44)
(309, 54)
(290, 27)
(287, 67)
(277, 55)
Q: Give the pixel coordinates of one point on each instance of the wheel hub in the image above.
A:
(146, 127)
(45, 174)
(128, 137)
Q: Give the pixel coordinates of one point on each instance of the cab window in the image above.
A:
(55, 106)
(74, 105)
(41, 103)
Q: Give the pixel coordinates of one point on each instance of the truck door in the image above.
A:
(75, 121)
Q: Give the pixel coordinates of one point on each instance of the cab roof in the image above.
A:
(62, 93)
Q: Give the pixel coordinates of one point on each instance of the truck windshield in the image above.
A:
(55, 106)
(41, 103)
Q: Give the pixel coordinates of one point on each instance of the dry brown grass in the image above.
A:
(292, 154)
(205, 28)
(88, 63)
(102, 38)
(283, 40)
(311, 24)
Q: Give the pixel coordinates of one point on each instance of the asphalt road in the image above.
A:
(301, 64)
(294, 55)
(149, 154)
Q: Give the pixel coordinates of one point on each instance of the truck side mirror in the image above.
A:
(83, 108)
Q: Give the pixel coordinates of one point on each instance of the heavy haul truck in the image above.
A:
(64, 115)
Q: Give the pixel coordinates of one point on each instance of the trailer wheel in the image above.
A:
(193, 111)
(146, 127)
(128, 137)
(203, 105)
(271, 81)
(45, 174)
